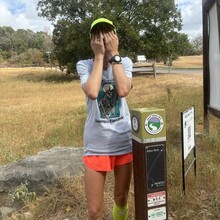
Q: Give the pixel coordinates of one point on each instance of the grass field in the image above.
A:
(189, 61)
(41, 109)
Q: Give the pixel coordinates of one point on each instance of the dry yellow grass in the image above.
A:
(181, 62)
(39, 110)
(189, 61)
(186, 62)
(32, 108)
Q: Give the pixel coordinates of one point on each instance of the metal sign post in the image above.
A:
(149, 150)
(188, 141)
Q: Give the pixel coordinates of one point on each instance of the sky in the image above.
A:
(191, 11)
(22, 14)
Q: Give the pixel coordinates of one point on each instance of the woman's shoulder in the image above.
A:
(126, 60)
(85, 62)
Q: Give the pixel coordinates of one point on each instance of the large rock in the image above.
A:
(43, 169)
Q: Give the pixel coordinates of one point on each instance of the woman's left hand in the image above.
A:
(111, 42)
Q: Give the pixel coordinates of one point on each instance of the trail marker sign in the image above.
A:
(150, 174)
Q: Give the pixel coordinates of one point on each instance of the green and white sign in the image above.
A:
(157, 213)
(148, 125)
(154, 124)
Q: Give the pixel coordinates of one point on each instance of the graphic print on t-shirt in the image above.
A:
(108, 101)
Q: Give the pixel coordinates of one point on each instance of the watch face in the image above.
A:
(117, 58)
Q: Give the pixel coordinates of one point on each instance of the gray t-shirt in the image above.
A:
(107, 128)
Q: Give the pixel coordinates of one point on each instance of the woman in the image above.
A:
(106, 80)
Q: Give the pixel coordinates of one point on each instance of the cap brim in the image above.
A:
(102, 26)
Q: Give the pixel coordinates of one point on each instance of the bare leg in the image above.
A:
(123, 175)
(94, 186)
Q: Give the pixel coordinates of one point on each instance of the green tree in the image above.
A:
(24, 46)
(179, 44)
(1, 58)
(143, 26)
(35, 56)
(197, 44)
(6, 41)
(29, 57)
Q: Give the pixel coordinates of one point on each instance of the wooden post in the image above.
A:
(149, 151)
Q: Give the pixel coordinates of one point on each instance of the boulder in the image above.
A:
(4, 211)
(40, 171)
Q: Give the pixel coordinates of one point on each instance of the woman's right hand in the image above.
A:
(97, 44)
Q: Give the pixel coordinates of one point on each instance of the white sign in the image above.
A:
(141, 58)
(135, 124)
(214, 58)
(157, 213)
(155, 199)
(188, 126)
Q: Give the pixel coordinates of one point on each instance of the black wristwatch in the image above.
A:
(115, 59)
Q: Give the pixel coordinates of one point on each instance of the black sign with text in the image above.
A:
(155, 163)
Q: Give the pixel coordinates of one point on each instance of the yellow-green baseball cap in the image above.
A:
(102, 24)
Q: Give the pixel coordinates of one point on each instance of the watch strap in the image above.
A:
(116, 59)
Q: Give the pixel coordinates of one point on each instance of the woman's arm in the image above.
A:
(123, 83)
(92, 86)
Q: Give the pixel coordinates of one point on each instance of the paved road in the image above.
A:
(143, 70)
(178, 70)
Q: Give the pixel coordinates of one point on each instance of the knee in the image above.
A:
(121, 199)
(94, 212)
